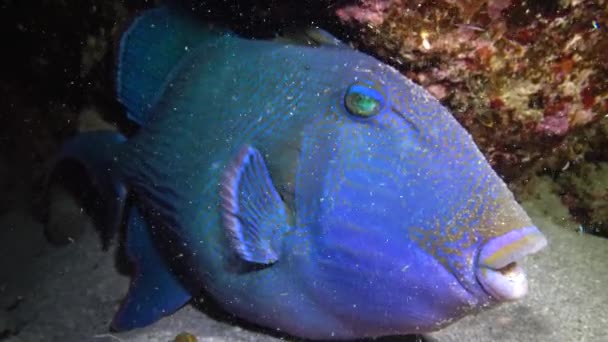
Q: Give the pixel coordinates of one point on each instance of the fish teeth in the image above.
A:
(506, 284)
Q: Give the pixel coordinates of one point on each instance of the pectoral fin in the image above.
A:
(254, 216)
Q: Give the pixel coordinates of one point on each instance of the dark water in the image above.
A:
(58, 67)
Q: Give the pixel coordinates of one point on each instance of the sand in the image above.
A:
(70, 293)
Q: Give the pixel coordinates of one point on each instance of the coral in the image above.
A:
(528, 79)
(520, 76)
(367, 11)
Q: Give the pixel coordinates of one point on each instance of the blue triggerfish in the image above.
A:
(303, 185)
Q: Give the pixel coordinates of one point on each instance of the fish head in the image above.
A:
(410, 225)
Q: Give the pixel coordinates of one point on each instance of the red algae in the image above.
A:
(520, 76)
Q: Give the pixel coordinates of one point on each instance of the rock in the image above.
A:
(584, 190)
(8, 326)
(520, 76)
(21, 230)
(367, 11)
(5, 186)
(67, 218)
(90, 119)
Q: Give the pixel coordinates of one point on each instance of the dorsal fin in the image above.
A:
(312, 36)
(149, 50)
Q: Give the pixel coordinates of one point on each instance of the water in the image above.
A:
(528, 81)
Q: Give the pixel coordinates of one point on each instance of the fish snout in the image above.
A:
(498, 271)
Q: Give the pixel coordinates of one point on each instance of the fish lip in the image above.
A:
(511, 247)
(498, 271)
(504, 285)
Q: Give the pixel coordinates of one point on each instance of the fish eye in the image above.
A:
(363, 100)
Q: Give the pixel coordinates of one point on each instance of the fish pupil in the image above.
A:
(362, 105)
(365, 103)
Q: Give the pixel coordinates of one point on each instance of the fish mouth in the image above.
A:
(498, 271)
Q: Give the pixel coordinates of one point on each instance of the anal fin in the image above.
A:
(154, 292)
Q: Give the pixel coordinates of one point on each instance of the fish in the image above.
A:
(305, 186)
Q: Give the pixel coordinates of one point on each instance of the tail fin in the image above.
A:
(93, 155)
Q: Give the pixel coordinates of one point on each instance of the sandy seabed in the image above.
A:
(70, 293)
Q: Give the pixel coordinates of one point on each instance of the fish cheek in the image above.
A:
(282, 168)
(452, 246)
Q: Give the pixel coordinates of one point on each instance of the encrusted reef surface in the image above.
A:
(528, 79)
(519, 75)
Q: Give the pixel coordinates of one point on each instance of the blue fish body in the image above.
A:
(309, 189)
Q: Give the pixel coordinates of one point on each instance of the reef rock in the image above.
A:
(528, 79)
(519, 75)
